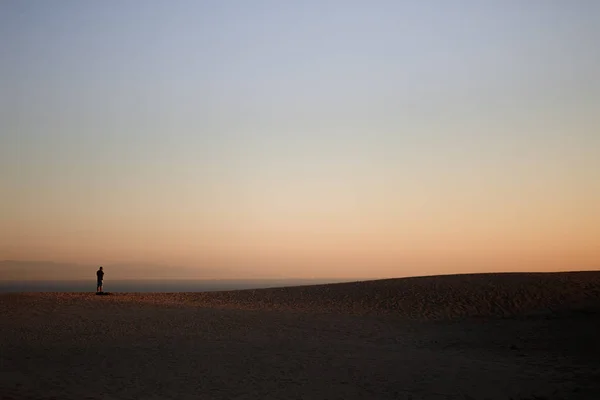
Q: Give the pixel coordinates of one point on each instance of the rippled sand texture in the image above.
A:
(491, 336)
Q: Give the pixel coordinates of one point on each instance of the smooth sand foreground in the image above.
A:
(491, 336)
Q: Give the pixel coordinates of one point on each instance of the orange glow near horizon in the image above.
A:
(338, 244)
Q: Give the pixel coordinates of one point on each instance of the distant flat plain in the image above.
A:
(485, 336)
(152, 285)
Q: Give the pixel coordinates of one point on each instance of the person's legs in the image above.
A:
(99, 286)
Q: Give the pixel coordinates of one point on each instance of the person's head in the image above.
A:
(100, 268)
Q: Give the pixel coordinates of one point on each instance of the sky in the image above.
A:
(302, 138)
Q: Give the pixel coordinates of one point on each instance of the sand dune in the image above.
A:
(436, 297)
(493, 336)
(423, 298)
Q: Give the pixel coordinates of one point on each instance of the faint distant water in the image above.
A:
(154, 285)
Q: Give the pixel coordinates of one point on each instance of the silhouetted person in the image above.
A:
(100, 276)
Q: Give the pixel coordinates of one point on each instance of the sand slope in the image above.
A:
(436, 297)
(422, 298)
(497, 336)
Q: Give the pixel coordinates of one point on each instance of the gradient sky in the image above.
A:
(302, 138)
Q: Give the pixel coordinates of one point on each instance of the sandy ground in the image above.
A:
(498, 336)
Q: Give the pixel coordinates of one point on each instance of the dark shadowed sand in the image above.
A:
(492, 336)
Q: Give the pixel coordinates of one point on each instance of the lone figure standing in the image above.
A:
(100, 276)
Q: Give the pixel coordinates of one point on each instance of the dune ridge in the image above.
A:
(423, 298)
